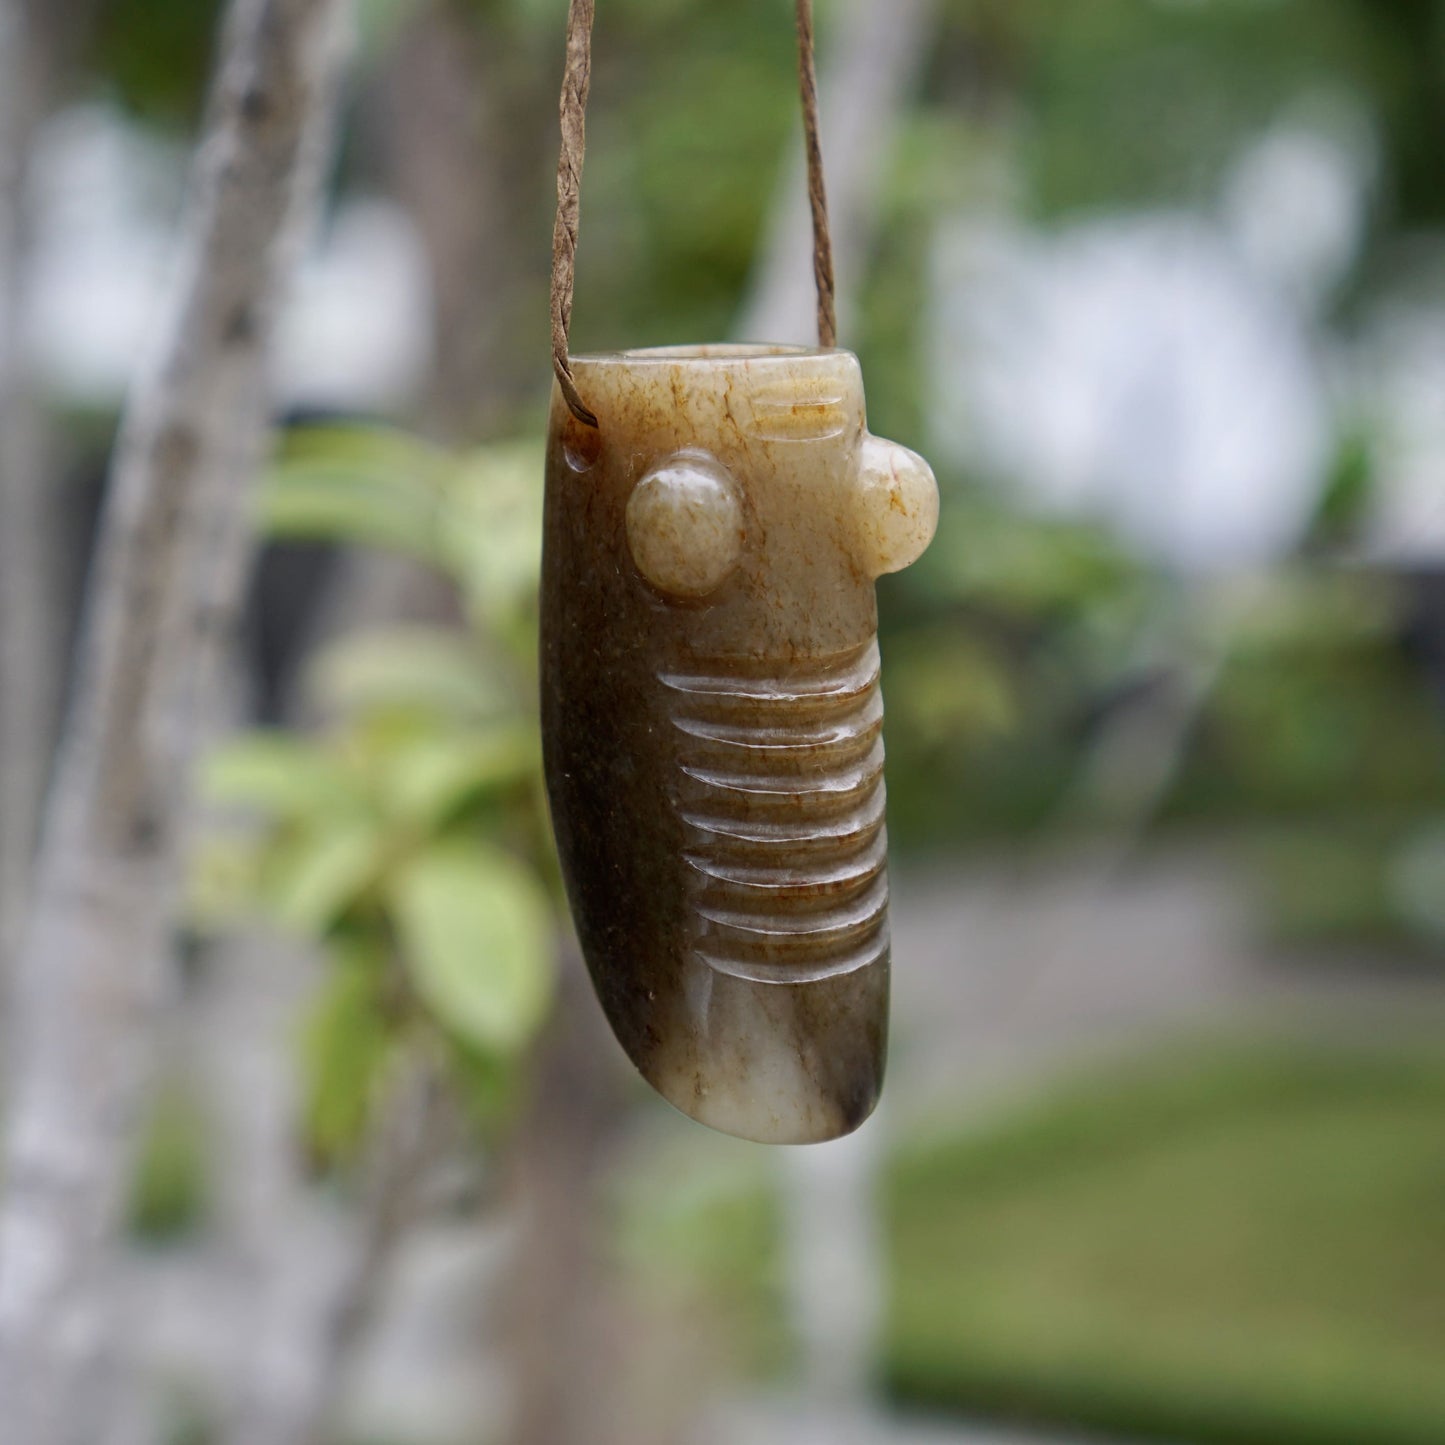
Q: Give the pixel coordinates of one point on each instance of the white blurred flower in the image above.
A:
(357, 332)
(1134, 370)
(1159, 371)
(354, 336)
(1295, 203)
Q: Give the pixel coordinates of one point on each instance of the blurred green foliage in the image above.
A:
(699, 1232)
(155, 59)
(1017, 641)
(1000, 642)
(407, 835)
(1241, 1250)
(170, 1183)
(1111, 103)
(1228, 1243)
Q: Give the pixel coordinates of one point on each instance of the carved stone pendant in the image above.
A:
(712, 721)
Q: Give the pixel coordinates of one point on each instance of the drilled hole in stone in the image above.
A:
(582, 446)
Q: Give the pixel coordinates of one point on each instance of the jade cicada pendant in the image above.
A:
(712, 721)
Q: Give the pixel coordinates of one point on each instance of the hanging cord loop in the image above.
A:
(817, 191)
(576, 83)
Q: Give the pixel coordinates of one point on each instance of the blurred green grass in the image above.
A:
(1243, 1249)
(1225, 1244)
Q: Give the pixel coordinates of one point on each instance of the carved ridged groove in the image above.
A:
(798, 413)
(780, 790)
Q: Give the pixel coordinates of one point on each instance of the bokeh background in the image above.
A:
(1159, 287)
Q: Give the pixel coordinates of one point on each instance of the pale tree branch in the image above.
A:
(20, 652)
(174, 542)
(408, 1139)
(869, 73)
(455, 102)
(31, 41)
(559, 1321)
(298, 1401)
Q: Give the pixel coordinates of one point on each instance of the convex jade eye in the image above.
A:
(685, 525)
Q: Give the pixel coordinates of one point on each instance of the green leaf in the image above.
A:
(429, 780)
(280, 776)
(376, 451)
(476, 934)
(415, 669)
(223, 879)
(356, 484)
(315, 877)
(345, 1045)
(493, 538)
(320, 503)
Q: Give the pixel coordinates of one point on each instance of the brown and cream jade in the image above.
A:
(712, 721)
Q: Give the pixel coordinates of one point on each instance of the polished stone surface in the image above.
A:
(712, 721)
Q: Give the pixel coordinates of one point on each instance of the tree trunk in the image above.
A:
(560, 1337)
(165, 585)
(20, 656)
(32, 40)
(298, 1399)
(868, 75)
(468, 140)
